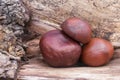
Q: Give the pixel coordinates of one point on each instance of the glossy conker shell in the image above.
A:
(97, 52)
(77, 29)
(59, 50)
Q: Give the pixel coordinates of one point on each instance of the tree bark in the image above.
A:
(13, 18)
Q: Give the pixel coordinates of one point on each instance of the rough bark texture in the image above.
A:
(13, 17)
(13, 12)
(10, 52)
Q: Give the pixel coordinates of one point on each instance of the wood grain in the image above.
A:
(47, 15)
(103, 15)
(37, 69)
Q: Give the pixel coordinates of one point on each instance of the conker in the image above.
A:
(77, 29)
(97, 52)
(59, 50)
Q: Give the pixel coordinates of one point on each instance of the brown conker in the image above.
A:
(59, 50)
(77, 29)
(97, 52)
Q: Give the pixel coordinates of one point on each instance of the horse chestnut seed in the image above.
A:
(77, 29)
(59, 50)
(97, 52)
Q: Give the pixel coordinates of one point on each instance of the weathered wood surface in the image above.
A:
(103, 15)
(40, 27)
(47, 15)
(37, 69)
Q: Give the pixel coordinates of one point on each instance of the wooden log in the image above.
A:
(47, 15)
(103, 15)
(41, 26)
(37, 69)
